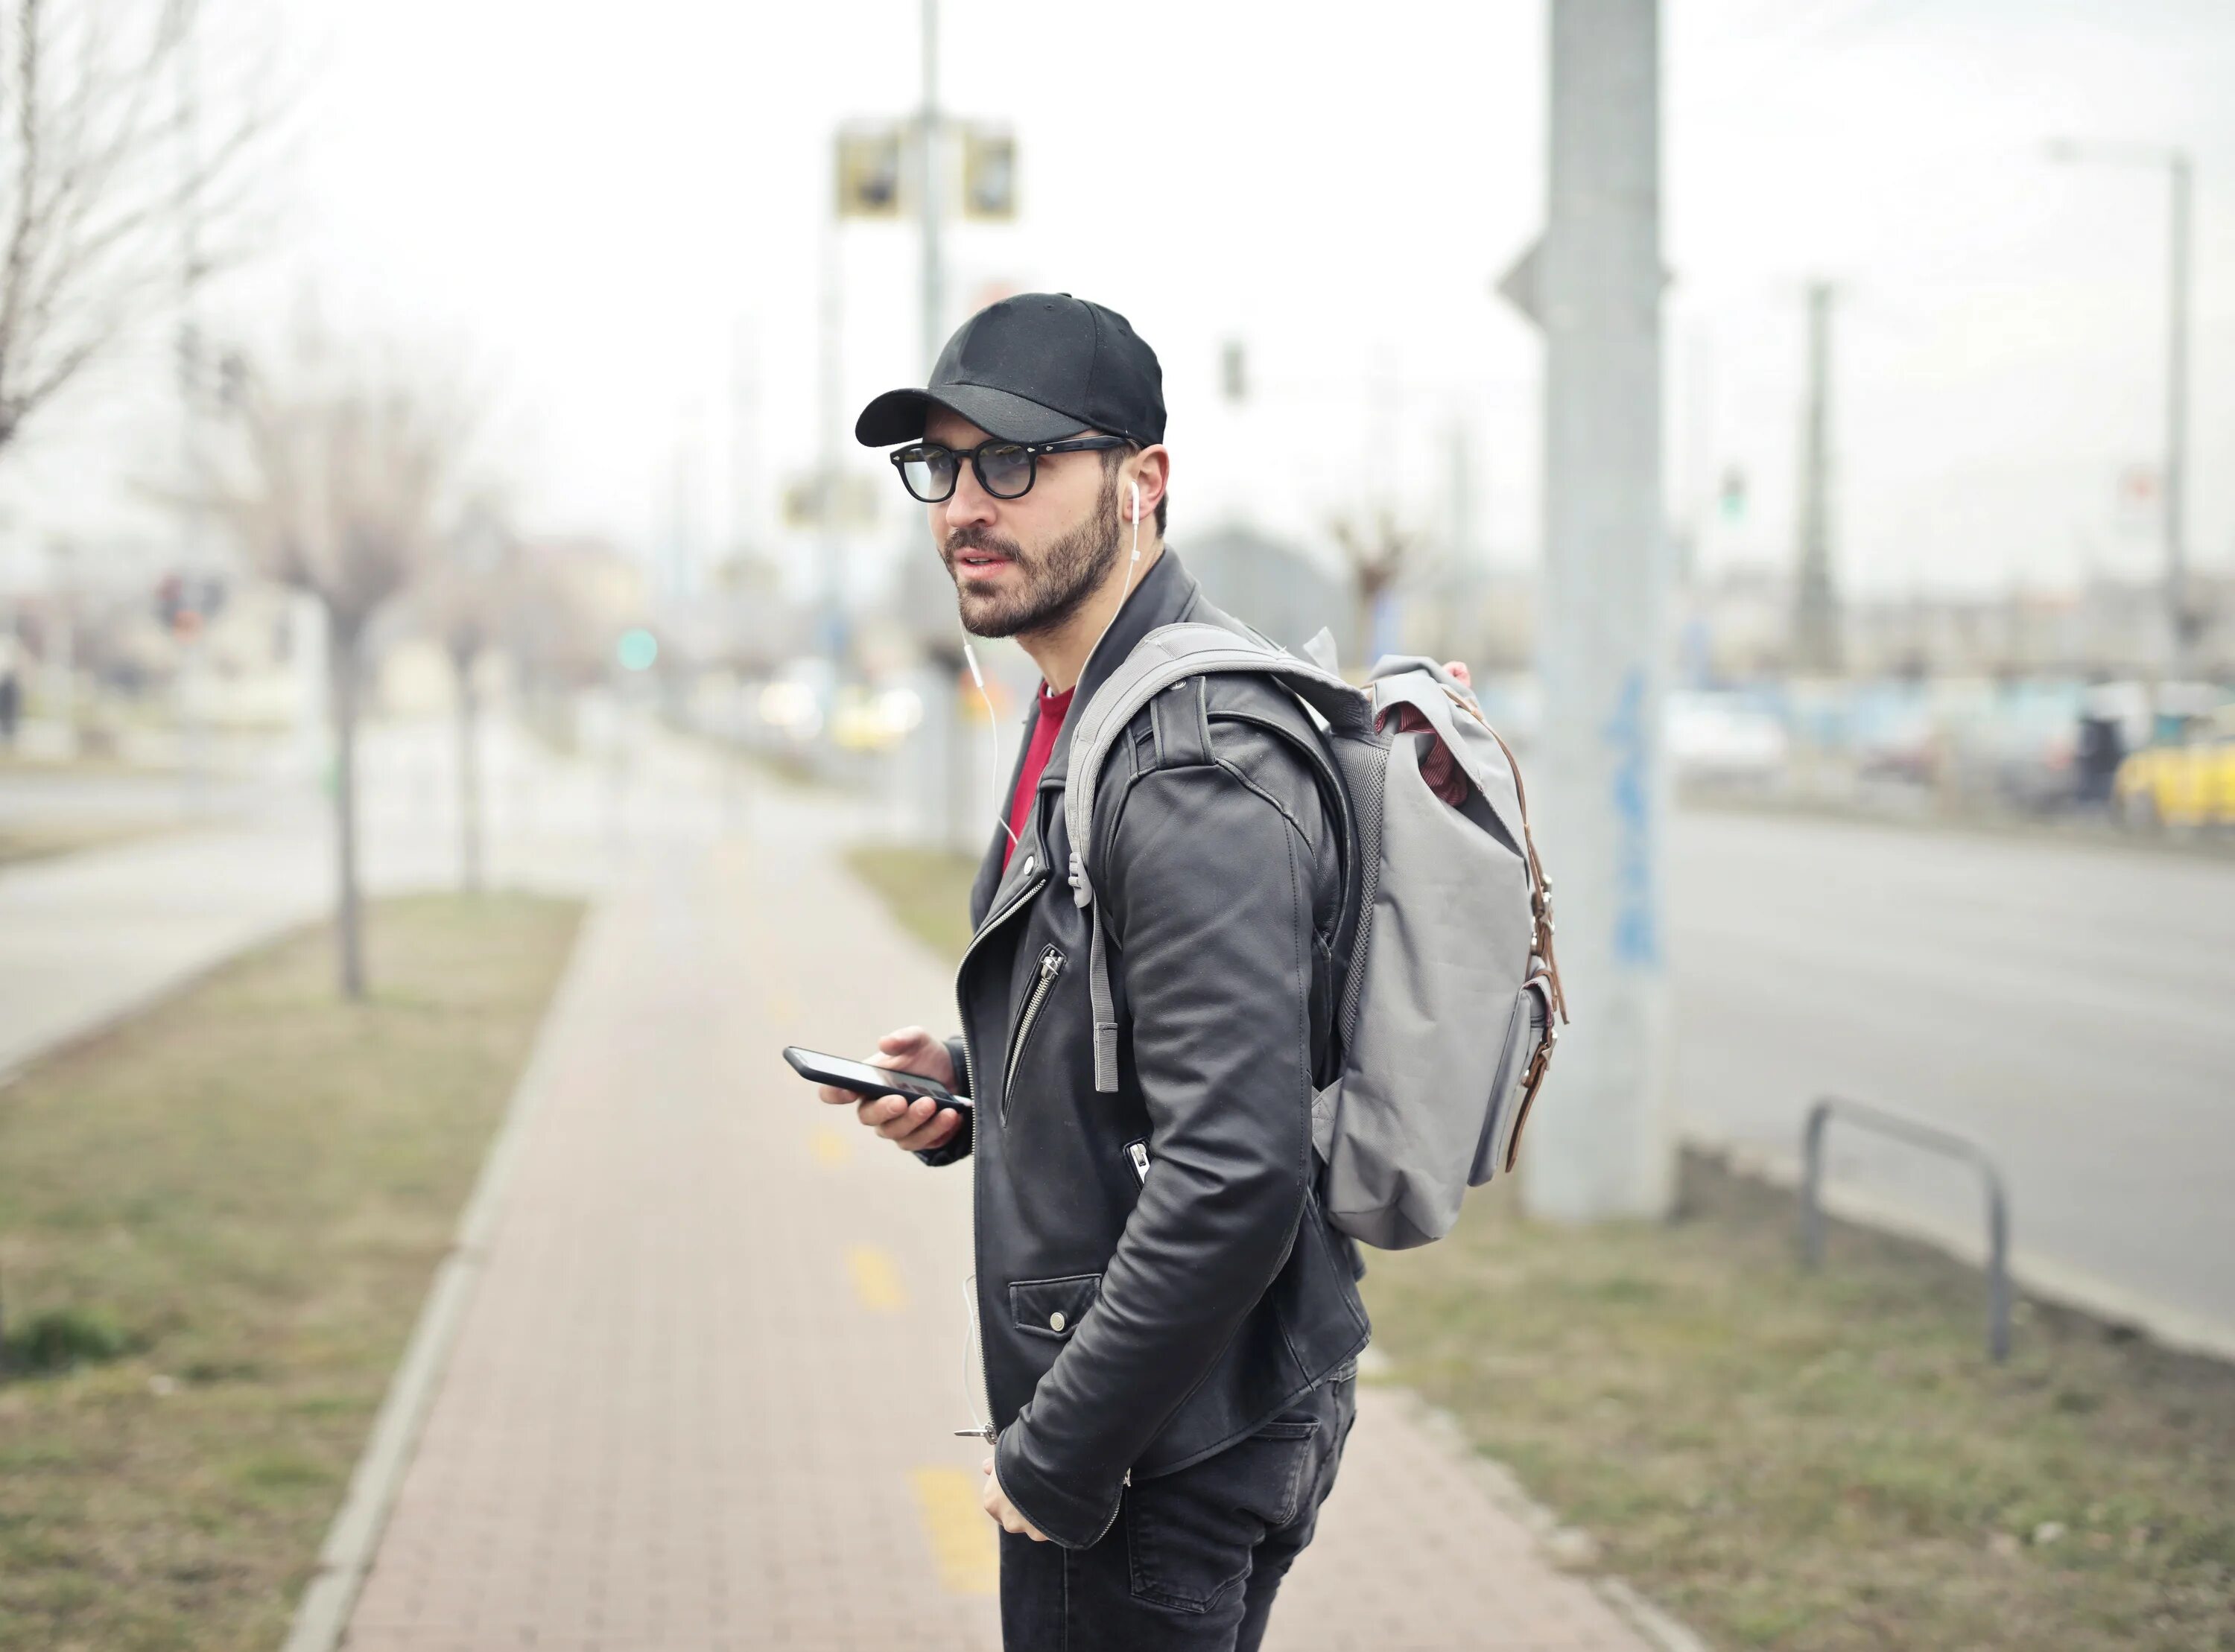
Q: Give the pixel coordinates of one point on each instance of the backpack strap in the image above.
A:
(1162, 658)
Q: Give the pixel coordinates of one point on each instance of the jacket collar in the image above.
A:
(1166, 594)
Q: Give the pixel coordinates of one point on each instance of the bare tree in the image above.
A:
(346, 484)
(1376, 550)
(464, 597)
(119, 191)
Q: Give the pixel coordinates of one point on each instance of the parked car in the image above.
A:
(2185, 778)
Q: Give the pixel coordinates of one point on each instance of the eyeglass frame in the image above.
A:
(1032, 450)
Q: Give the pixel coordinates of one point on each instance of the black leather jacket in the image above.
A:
(1155, 1277)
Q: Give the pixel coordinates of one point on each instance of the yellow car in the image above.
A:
(2186, 781)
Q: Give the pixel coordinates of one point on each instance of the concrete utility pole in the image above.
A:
(1816, 612)
(2174, 493)
(1599, 1144)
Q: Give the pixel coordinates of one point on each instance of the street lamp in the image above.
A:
(2175, 163)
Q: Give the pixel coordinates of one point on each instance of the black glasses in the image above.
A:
(1006, 469)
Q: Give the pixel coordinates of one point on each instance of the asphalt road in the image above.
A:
(2073, 1008)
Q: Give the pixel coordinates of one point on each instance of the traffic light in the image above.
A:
(185, 602)
(868, 171)
(1234, 371)
(1734, 495)
(989, 174)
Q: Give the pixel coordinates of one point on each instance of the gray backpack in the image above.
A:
(1445, 1021)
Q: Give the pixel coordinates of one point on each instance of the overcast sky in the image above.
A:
(619, 216)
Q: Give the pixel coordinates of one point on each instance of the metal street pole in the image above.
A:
(960, 747)
(2174, 489)
(2176, 460)
(1600, 1146)
(826, 482)
(934, 278)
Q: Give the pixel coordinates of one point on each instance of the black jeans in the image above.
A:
(1193, 1560)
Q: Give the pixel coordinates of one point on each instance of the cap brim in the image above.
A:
(899, 416)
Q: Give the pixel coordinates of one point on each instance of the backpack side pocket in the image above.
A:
(1527, 1025)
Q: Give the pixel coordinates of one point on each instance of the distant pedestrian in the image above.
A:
(1168, 1323)
(11, 692)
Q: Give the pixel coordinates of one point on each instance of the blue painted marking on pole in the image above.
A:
(1636, 928)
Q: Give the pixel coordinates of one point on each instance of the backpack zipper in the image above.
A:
(1051, 962)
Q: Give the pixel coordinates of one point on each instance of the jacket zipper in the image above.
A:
(1137, 1151)
(1052, 962)
(993, 921)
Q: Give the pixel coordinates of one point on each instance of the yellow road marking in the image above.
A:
(876, 1280)
(963, 1541)
(832, 1147)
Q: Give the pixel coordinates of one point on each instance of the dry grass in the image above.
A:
(20, 844)
(1827, 1461)
(251, 1184)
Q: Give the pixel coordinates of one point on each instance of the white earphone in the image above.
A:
(979, 677)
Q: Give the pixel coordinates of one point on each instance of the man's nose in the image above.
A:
(969, 506)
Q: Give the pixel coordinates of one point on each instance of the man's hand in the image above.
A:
(997, 1505)
(909, 1124)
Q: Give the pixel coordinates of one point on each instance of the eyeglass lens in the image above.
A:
(929, 472)
(1005, 470)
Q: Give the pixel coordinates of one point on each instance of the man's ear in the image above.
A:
(1152, 469)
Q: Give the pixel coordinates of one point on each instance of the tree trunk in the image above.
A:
(469, 776)
(348, 913)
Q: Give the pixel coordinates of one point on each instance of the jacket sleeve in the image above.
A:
(1208, 885)
(957, 1146)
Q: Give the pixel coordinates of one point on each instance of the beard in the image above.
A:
(1052, 584)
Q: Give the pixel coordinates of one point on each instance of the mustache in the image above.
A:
(983, 539)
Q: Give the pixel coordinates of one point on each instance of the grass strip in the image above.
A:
(1824, 1462)
(1827, 1460)
(927, 890)
(217, 1223)
(43, 842)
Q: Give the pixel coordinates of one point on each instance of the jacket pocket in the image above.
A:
(1053, 1308)
(1051, 962)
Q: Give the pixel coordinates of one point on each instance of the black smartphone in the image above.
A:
(865, 1080)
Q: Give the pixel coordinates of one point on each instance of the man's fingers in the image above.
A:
(936, 1133)
(908, 1117)
(874, 1110)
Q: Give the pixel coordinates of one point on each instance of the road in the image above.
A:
(2071, 1007)
(87, 936)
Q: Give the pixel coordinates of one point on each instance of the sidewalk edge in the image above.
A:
(321, 1615)
(1650, 1622)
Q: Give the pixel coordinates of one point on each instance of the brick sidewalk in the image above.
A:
(702, 1398)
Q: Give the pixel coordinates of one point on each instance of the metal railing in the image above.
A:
(1933, 1138)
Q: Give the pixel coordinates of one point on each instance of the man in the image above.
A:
(1169, 1324)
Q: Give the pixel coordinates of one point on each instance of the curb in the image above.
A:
(2034, 1275)
(345, 1558)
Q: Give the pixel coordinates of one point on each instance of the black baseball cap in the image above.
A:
(1036, 366)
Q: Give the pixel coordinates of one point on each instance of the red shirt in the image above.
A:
(1052, 707)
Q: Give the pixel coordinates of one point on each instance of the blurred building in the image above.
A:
(1738, 626)
(1274, 587)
